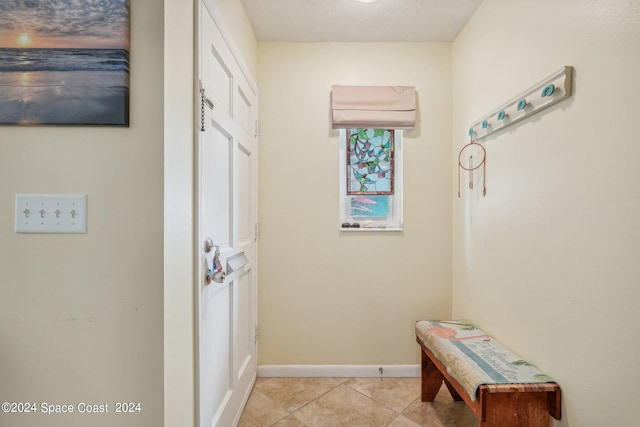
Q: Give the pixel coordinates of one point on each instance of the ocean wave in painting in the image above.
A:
(64, 86)
(25, 60)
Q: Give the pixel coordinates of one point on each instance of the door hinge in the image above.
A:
(256, 338)
(257, 126)
(257, 230)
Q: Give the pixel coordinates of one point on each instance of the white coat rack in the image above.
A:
(546, 93)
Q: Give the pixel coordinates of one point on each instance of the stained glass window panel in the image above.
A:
(370, 162)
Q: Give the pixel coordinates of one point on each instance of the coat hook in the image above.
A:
(522, 104)
(548, 91)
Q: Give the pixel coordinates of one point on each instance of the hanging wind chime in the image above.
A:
(473, 164)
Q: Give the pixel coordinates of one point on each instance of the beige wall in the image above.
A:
(328, 297)
(548, 260)
(81, 315)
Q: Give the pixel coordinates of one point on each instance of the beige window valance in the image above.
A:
(381, 107)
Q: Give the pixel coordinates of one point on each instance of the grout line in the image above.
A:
(328, 391)
(270, 400)
(384, 404)
(375, 401)
(306, 404)
(410, 403)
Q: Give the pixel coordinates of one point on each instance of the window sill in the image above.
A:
(371, 229)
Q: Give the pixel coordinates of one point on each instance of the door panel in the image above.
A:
(216, 186)
(246, 336)
(227, 196)
(215, 311)
(221, 93)
(216, 58)
(243, 113)
(245, 196)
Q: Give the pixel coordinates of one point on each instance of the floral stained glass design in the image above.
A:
(370, 159)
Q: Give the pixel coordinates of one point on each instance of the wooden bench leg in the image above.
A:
(431, 379)
(456, 396)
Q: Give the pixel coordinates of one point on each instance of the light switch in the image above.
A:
(51, 213)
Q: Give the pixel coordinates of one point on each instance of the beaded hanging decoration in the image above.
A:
(469, 150)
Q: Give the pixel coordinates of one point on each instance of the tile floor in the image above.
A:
(350, 402)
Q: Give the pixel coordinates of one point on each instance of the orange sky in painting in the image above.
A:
(14, 40)
(65, 24)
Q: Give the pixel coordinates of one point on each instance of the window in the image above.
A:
(370, 179)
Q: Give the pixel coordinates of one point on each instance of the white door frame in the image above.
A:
(179, 309)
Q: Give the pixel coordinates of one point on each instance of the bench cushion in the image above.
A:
(473, 358)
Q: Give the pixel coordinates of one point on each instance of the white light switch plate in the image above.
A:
(51, 213)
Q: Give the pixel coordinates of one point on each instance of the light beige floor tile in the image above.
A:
(289, 421)
(293, 393)
(350, 402)
(260, 380)
(260, 411)
(443, 412)
(403, 422)
(345, 407)
(394, 393)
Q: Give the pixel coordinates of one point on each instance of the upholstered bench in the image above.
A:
(500, 388)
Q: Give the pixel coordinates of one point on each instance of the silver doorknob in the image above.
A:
(208, 244)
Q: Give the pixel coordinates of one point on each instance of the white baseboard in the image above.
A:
(344, 371)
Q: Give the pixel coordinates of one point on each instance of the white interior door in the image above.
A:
(227, 196)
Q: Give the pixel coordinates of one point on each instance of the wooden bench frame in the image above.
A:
(496, 405)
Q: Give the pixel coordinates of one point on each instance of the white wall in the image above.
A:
(81, 315)
(328, 297)
(548, 260)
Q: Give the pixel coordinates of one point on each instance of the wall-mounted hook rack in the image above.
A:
(546, 93)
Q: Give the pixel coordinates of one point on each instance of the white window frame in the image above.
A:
(394, 221)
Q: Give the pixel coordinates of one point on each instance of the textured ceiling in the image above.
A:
(350, 20)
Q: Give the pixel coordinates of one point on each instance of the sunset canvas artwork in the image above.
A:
(64, 62)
